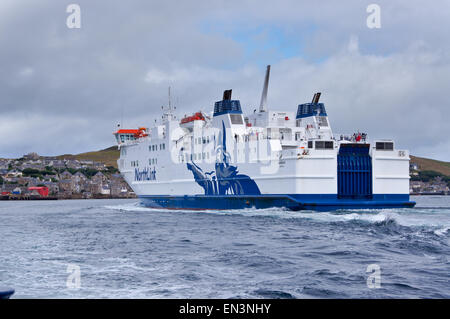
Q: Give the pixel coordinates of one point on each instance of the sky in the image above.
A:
(64, 90)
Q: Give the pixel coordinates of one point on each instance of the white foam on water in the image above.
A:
(131, 207)
(137, 207)
(402, 216)
(442, 231)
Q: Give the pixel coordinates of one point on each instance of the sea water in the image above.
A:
(120, 249)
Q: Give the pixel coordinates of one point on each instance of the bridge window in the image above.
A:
(324, 145)
(385, 146)
(236, 119)
(322, 121)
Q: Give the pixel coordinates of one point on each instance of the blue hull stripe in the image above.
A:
(290, 201)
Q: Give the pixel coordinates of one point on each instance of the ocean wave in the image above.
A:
(126, 250)
(130, 207)
(273, 294)
(437, 221)
(138, 207)
(442, 231)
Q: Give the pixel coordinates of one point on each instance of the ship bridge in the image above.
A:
(314, 119)
(314, 108)
(228, 112)
(311, 109)
(227, 105)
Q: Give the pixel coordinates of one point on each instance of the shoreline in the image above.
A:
(22, 198)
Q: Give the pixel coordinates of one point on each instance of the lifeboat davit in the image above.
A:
(141, 132)
(188, 121)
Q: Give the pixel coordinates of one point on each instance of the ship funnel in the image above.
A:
(263, 105)
(227, 95)
(316, 98)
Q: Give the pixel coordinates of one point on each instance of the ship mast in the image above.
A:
(263, 104)
(170, 104)
(167, 113)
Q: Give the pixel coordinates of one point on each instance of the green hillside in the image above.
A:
(109, 156)
(426, 164)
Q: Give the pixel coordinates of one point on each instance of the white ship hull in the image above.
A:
(264, 160)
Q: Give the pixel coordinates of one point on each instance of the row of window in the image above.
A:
(202, 140)
(154, 147)
(127, 137)
(193, 157)
(326, 145)
(134, 163)
(151, 161)
(322, 121)
(321, 145)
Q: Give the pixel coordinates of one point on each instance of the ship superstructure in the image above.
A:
(226, 160)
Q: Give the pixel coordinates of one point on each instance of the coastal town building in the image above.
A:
(62, 177)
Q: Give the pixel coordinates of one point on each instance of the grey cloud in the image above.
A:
(64, 90)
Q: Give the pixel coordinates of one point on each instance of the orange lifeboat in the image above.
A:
(196, 117)
(141, 132)
(188, 121)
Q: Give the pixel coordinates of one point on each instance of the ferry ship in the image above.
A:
(228, 160)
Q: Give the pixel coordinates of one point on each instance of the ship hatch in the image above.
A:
(354, 171)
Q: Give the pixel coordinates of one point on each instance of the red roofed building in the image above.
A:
(42, 190)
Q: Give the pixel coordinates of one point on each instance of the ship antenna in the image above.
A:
(263, 105)
(170, 102)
